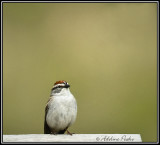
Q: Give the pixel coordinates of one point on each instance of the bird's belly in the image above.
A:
(60, 117)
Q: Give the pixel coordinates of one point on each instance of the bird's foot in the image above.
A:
(53, 133)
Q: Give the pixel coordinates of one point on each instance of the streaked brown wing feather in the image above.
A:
(46, 127)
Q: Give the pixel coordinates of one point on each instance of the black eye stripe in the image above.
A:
(57, 87)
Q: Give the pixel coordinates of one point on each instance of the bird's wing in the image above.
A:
(46, 127)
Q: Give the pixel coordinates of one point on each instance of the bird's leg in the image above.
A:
(53, 133)
(69, 133)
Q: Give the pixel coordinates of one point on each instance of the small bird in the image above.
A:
(61, 109)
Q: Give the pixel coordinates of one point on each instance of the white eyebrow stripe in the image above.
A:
(58, 85)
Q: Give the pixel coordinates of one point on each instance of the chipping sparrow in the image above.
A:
(61, 109)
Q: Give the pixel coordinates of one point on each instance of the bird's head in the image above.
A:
(59, 86)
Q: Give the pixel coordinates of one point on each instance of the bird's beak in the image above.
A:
(67, 86)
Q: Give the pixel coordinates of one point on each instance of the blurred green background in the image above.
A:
(107, 52)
